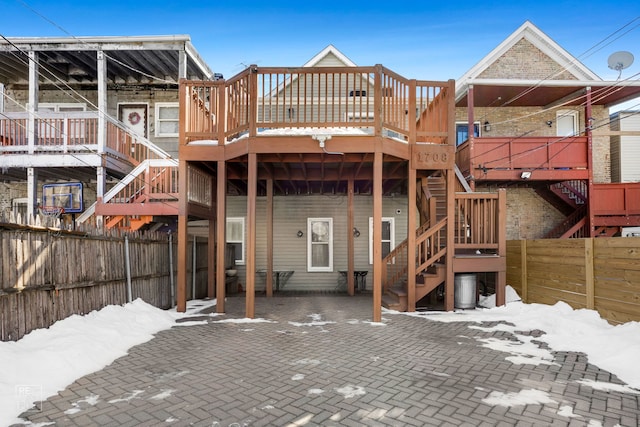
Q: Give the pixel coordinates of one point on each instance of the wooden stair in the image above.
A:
(396, 297)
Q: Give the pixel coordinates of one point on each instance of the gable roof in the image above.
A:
(540, 40)
(331, 49)
(492, 79)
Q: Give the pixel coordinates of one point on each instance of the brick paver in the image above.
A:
(346, 372)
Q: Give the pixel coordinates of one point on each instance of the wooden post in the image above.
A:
(411, 114)
(450, 275)
(221, 235)
(211, 259)
(350, 243)
(589, 273)
(471, 132)
(411, 238)
(377, 101)
(253, 99)
(501, 220)
(183, 238)
(252, 184)
(523, 271)
(377, 236)
(269, 278)
(590, 215)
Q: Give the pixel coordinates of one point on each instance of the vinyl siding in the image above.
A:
(625, 150)
(290, 214)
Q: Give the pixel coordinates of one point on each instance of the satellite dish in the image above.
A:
(620, 60)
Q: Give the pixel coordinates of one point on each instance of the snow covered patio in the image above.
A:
(319, 360)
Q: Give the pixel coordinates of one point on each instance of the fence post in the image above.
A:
(171, 281)
(523, 271)
(588, 272)
(127, 262)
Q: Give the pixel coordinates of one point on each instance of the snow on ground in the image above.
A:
(46, 361)
(613, 348)
(79, 345)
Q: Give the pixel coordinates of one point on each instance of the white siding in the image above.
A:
(625, 150)
(290, 214)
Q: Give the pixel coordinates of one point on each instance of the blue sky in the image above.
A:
(422, 40)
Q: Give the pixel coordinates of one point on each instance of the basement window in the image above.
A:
(319, 244)
(167, 119)
(357, 93)
(235, 237)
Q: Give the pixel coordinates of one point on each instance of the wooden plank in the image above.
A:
(621, 307)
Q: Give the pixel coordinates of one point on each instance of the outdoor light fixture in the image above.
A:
(549, 123)
(487, 126)
(300, 233)
(356, 232)
(525, 175)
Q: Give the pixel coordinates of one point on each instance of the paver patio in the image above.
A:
(319, 361)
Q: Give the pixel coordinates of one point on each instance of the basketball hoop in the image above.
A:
(51, 211)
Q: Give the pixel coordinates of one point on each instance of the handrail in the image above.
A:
(395, 263)
(568, 224)
(369, 98)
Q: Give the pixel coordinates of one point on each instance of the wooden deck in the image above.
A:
(506, 158)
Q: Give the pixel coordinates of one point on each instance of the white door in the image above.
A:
(566, 123)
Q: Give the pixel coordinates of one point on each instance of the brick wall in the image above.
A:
(525, 61)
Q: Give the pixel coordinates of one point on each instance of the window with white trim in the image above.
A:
(388, 237)
(167, 119)
(235, 237)
(462, 131)
(319, 244)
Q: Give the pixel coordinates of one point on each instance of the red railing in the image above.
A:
(484, 157)
(372, 99)
(616, 199)
(63, 132)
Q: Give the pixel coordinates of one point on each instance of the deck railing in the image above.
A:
(62, 132)
(486, 157)
(373, 99)
(73, 132)
(477, 227)
(616, 199)
(478, 220)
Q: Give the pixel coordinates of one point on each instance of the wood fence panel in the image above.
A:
(46, 275)
(514, 267)
(617, 276)
(602, 273)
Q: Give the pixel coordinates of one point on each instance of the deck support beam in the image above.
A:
(350, 243)
(221, 231)
(411, 238)
(450, 275)
(252, 185)
(377, 237)
(269, 278)
(183, 238)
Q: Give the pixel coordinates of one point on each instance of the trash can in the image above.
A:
(464, 290)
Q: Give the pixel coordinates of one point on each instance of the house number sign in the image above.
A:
(432, 156)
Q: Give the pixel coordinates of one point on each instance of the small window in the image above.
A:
(462, 131)
(235, 237)
(320, 244)
(388, 237)
(358, 93)
(167, 119)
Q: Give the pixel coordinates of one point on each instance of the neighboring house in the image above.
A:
(539, 126)
(80, 115)
(330, 174)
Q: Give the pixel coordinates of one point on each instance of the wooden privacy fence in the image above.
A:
(47, 275)
(601, 274)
